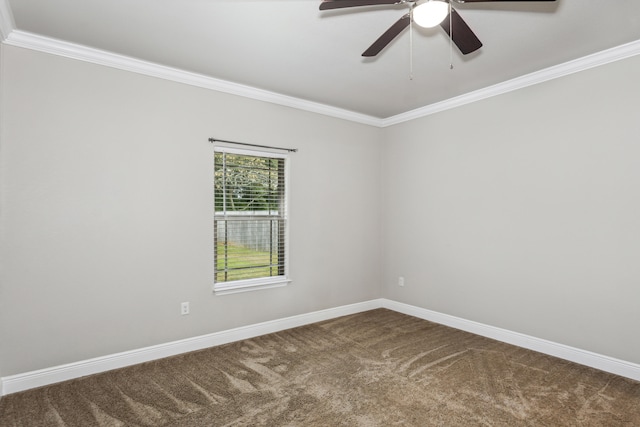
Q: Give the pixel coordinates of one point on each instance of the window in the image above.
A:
(250, 220)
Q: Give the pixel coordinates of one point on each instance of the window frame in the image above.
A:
(245, 285)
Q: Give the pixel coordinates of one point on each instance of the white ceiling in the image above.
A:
(291, 48)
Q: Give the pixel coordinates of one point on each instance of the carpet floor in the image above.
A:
(377, 368)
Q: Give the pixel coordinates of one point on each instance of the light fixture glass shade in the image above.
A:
(431, 13)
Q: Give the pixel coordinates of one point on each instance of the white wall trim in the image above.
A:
(583, 357)
(83, 53)
(560, 70)
(42, 377)
(96, 56)
(6, 20)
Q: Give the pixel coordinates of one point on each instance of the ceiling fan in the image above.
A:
(427, 13)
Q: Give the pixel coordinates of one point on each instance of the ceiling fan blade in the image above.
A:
(339, 4)
(388, 35)
(463, 36)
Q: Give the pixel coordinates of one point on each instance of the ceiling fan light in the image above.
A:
(431, 13)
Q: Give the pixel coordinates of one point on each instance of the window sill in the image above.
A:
(227, 288)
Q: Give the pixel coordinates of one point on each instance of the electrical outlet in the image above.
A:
(401, 281)
(184, 308)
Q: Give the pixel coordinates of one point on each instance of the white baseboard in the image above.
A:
(583, 357)
(42, 377)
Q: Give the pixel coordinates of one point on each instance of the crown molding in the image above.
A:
(83, 53)
(96, 56)
(6, 20)
(580, 64)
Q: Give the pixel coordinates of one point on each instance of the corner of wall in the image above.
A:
(6, 20)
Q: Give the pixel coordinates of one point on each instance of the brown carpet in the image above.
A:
(378, 368)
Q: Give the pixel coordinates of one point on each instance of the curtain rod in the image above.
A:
(291, 150)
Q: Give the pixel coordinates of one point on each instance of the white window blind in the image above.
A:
(250, 220)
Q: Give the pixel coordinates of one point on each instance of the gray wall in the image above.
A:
(2, 298)
(107, 210)
(523, 211)
(519, 211)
